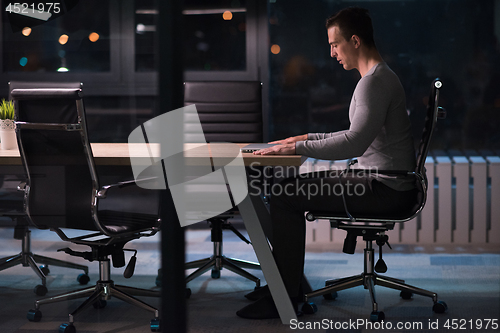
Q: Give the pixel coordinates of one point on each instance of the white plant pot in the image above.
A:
(8, 134)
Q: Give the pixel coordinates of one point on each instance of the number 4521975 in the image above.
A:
(24, 8)
(471, 324)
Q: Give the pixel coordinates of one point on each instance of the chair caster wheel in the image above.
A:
(188, 292)
(215, 273)
(67, 328)
(83, 279)
(40, 290)
(330, 296)
(45, 269)
(100, 304)
(155, 325)
(34, 315)
(440, 307)
(309, 308)
(377, 316)
(406, 295)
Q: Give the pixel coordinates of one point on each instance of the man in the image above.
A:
(379, 137)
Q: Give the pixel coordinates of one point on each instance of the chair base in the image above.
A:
(369, 279)
(218, 261)
(27, 258)
(98, 294)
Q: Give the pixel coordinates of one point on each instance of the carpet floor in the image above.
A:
(466, 278)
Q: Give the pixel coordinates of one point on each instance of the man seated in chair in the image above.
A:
(379, 137)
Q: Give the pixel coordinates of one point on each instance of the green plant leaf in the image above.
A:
(6, 109)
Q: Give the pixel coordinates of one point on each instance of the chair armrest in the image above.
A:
(382, 172)
(102, 193)
(21, 187)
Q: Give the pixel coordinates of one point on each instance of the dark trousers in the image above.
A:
(322, 191)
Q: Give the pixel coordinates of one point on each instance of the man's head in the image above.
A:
(353, 21)
(350, 35)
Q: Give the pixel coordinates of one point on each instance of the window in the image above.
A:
(75, 38)
(145, 29)
(215, 35)
(215, 38)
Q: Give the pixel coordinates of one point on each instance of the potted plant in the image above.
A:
(7, 125)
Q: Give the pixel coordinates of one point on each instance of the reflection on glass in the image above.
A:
(215, 40)
(62, 42)
(214, 35)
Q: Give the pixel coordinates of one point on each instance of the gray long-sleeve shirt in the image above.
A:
(379, 135)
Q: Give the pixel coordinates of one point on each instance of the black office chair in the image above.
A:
(14, 209)
(372, 228)
(62, 191)
(229, 111)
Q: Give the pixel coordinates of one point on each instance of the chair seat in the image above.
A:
(118, 221)
(388, 216)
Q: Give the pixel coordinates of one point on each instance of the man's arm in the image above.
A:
(372, 103)
(284, 147)
(291, 139)
(287, 146)
(321, 136)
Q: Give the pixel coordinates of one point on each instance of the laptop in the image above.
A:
(250, 148)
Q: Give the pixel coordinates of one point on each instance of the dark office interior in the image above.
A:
(130, 75)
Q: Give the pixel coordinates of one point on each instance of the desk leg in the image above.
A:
(254, 211)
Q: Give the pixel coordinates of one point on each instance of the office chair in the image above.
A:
(62, 192)
(373, 228)
(21, 229)
(229, 111)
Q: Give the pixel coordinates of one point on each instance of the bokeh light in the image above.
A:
(23, 61)
(275, 49)
(26, 31)
(63, 39)
(227, 15)
(94, 37)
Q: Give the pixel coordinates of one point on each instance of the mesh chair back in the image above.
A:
(229, 111)
(52, 139)
(430, 124)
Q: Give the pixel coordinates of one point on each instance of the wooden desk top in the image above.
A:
(119, 154)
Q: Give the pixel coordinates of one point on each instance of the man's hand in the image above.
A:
(280, 149)
(291, 139)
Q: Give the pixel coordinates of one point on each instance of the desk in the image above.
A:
(119, 154)
(252, 208)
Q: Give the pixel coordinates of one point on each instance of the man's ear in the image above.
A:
(356, 41)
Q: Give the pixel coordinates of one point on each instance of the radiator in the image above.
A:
(463, 204)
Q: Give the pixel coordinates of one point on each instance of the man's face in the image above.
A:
(341, 49)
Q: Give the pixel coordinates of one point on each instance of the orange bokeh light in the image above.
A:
(63, 39)
(26, 31)
(227, 15)
(275, 49)
(94, 37)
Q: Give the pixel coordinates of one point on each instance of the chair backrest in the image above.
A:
(432, 114)
(52, 137)
(41, 84)
(229, 111)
